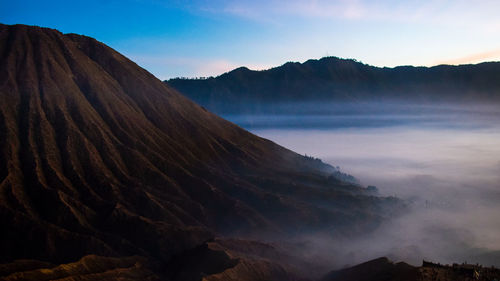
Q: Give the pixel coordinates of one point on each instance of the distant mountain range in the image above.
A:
(106, 173)
(332, 79)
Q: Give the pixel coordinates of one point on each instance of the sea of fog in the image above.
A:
(443, 159)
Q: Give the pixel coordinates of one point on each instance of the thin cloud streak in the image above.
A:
(442, 12)
(493, 55)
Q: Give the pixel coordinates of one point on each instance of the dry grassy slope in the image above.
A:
(86, 269)
(97, 156)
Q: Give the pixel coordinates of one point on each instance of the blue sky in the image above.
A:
(204, 38)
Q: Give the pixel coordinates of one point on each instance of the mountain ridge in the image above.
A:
(336, 80)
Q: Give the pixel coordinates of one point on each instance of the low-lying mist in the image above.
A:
(446, 163)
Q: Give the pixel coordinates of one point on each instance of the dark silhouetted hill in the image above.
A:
(382, 269)
(331, 79)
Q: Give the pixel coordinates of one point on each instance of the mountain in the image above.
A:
(108, 173)
(382, 269)
(331, 79)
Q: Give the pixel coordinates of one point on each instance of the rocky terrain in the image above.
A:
(383, 269)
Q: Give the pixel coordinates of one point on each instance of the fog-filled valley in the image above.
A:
(444, 160)
(427, 135)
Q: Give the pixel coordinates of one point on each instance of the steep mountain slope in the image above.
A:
(339, 80)
(98, 157)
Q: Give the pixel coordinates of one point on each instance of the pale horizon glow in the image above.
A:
(207, 38)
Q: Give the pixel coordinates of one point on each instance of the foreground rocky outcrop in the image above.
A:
(382, 269)
(88, 268)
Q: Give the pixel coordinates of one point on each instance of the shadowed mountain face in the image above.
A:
(98, 157)
(376, 270)
(332, 79)
(382, 269)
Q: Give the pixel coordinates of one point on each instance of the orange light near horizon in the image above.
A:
(492, 55)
